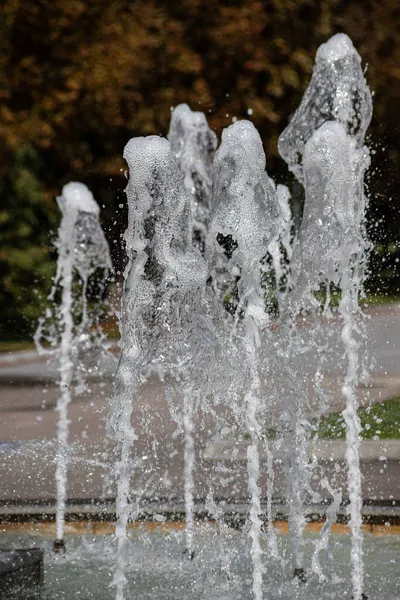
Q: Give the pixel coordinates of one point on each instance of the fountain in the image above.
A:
(234, 226)
(68, 329)
(209, 243)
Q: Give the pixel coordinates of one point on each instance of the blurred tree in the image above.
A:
(26, 219)
(79, 78)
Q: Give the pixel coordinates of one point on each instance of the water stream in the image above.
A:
(67, 328)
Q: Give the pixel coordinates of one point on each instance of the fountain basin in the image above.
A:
(158, 567)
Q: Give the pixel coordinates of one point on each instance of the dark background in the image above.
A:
(79, 78)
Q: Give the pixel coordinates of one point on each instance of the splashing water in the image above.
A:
(236, 222)
(164, 283)
(334, 173)
(329, 239)
(205, 323)
(337, 92)
(247, 214)
(323, 147)
(82, 249)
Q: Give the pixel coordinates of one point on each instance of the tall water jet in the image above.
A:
(246, 218)
(82, 249)
(193, 144)
(323, 146)
(162, 306)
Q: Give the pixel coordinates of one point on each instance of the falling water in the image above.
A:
(164, 283)
(193, 145)
(180, 311)
(331, 153)
(82, 249)
(246, 218)
(323, 146)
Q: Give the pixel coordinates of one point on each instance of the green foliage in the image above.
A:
(16, 346)
(78, 79)
(380, 421)
(26, 267)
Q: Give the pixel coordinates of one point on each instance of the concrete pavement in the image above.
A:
(28, 393)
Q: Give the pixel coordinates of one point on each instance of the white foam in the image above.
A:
(76, 196)
(245, 204)
(337, 47)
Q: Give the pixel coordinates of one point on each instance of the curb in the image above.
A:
(321, 450)
(44, 528)
(174, 511)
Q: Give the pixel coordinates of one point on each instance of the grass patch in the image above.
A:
(371, 298)
(380, 421)
(376, 299)
(16, 346)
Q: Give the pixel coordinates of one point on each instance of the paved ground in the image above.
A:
(28, 393)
